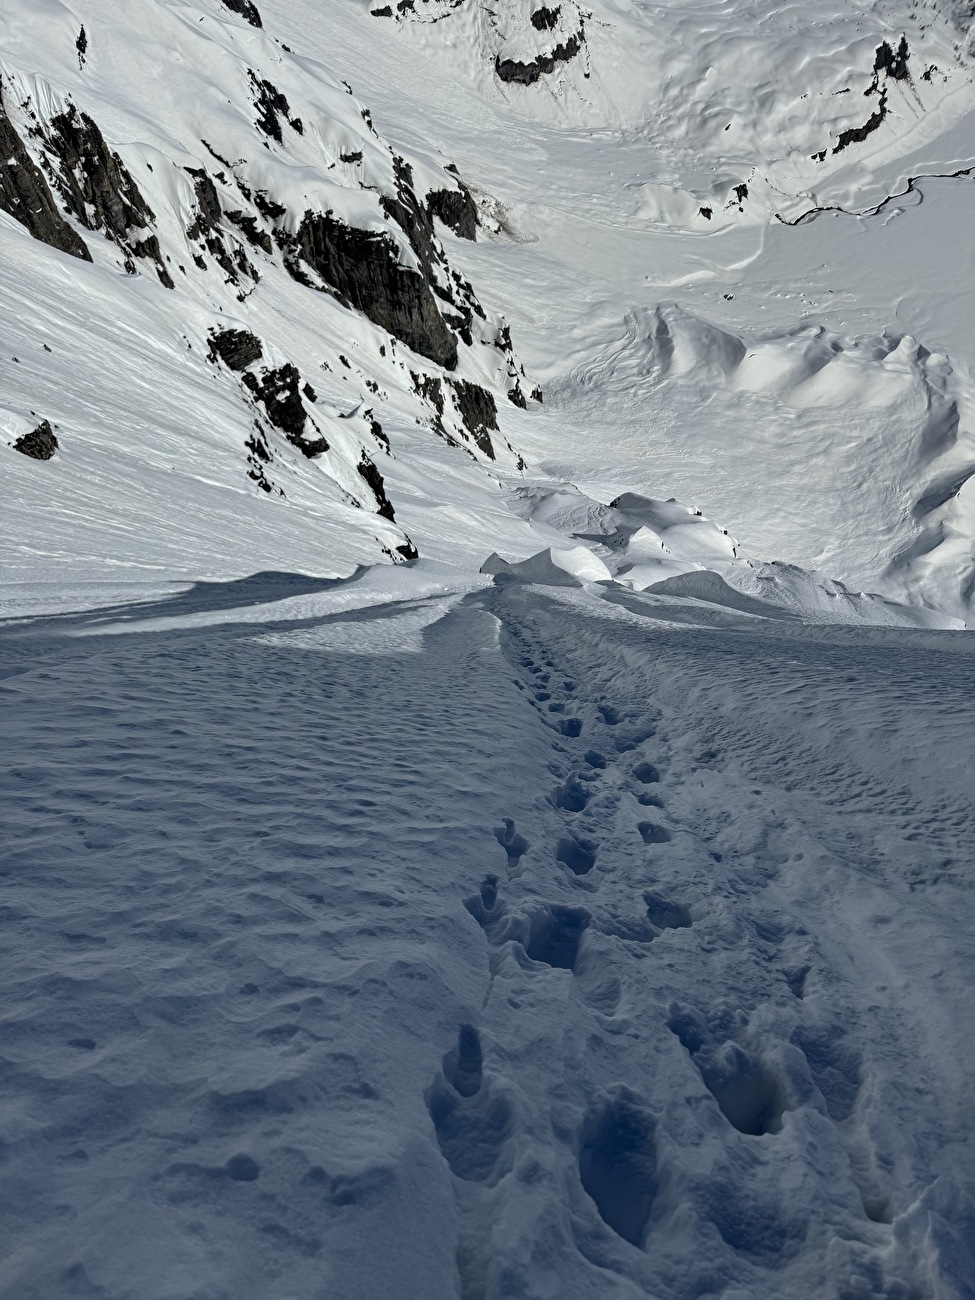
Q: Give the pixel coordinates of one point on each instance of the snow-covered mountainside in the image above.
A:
(274, 280)
(488, 566)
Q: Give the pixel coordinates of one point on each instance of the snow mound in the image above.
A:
(572, 567)
(854, 462)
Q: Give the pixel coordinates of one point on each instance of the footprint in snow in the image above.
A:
(513, 843)
(618, 1163)
(578, 855)
(653, 834)
(571, 796)
(472, 1118)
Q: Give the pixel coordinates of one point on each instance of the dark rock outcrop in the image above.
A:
(259, 460)
(857, 134)
(272, 104)
(526, 74)
(414, 219)
(372, 476)
(279, 392)
(229, 256)
(544, 19)
(97, 188)
(456, 209)
(40, 444)
(246, 9)
(25, 195)
(93, 181)
(887, 63)
(893, 62)
(237, 349)
(479, 413)
(363, 268)
(246, 223)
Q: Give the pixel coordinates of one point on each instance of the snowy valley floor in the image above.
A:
(494, 940)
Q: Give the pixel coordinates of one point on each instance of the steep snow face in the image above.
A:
(586, 918)
(203, 183)
(265, 262)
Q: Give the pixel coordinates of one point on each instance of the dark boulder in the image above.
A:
(40, 444)
(25, 195)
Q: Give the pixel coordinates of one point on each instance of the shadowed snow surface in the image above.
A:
(539, 941)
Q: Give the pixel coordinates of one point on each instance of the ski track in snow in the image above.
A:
(539, 942)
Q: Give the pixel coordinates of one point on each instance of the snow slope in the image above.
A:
(543, 941)
(793, 382)
(487, 787)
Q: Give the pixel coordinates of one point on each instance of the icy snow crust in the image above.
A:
(583, 908)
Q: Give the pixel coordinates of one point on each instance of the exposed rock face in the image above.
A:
(40, 444)
(259, 459)
(857, 134)
(526, 74)
(279, 392)
(246, 10)
(543, 19)
(890, 64)
(478, 412)
(364, 270)
(375, 480)
(25, 195)
(231, 258)
(456, 209)
(97, 188)
(236, 348)
(271, 105)
(893, 62)
(247, 225)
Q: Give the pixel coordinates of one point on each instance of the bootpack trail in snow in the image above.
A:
(530, 942)
(489, 532)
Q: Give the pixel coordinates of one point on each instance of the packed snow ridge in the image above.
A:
(489, 557)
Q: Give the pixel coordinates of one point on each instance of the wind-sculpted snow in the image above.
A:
(337, 959)
(855, 440)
